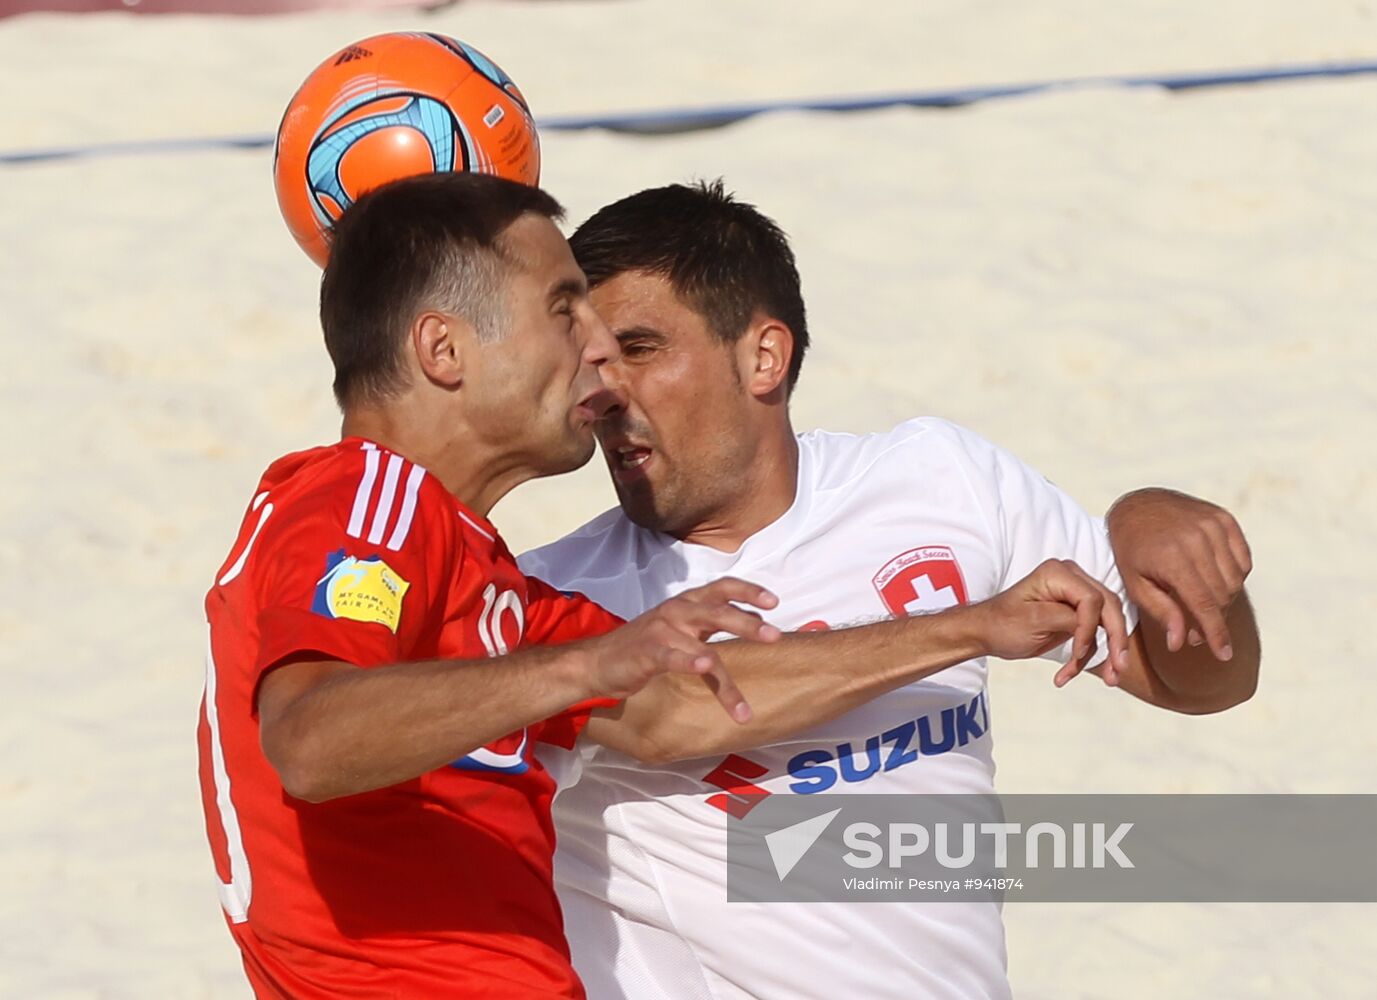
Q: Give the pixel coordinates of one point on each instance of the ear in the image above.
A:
(767, 348)
(439, 341)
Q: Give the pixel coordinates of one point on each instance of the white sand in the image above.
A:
(1123, 287)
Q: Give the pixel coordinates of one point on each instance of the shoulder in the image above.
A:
(375, 497)
(925, 443)
(605, 541)
(607, 546)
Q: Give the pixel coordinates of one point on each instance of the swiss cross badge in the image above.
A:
(920, 581)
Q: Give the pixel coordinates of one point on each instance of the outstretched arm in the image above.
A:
(1184, 560)
(332, 729)
(808, 678)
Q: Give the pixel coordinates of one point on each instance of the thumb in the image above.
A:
(1053, 617)
(1035, 628)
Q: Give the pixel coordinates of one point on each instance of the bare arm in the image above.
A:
(808, 678)
(332, 729)
(1184, 562)
(1190, 679)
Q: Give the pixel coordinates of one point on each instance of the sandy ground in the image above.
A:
(1123, 287)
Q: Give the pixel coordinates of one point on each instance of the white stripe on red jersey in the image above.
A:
(389, 495)
(403, 528)
(365, 491)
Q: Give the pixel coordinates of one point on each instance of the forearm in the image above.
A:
(801, 681)
(352, 730)
(1191, 680)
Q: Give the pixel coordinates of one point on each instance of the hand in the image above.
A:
(1056, 602)
(672, 638)
(1183, 561)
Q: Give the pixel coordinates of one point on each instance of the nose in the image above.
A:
(602, 350)
(612, 398)
(601, 347)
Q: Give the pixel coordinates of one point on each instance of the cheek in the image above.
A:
(541, 368)
(561, 360)
(691, 416)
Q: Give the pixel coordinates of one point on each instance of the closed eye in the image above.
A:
(639, 343)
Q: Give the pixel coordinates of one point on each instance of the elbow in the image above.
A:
(1235, 699)
(1221, 701)
(666, 744)
(307, 785)
(670, 749)
(300, 771)
(654, 751)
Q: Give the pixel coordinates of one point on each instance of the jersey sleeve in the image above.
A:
(355, 580)
(1031, 520)
(554, 617)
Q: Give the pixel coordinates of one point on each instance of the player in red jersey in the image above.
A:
(379, 668)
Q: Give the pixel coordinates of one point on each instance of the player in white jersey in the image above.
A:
(703, 295)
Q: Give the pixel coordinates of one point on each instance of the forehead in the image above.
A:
(642, 299)
(534, 245)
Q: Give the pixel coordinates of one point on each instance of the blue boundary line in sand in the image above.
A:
(693, 119)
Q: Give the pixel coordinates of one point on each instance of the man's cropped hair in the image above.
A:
(724, 258)
(426, 242)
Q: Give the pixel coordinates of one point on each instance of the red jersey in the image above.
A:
(441, 886)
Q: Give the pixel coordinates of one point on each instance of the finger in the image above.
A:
(1161, 606)
(1224, 559)
(1108, 614)
(734, 621)
(1055, 623)
(1237, 544)
(1115, 625)
(1202, 561)
(1071, 669)
(1069, 585)
(706, 663)
(728, 694)
(1200, 604)
(1089, 605)
(1207, 598)
(729, 588)
(675, 660)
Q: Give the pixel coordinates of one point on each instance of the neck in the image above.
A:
(766, 492)
(473, 476)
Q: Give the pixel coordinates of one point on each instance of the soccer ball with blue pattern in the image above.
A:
(392, 106)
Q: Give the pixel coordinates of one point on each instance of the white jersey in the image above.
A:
(922, 518)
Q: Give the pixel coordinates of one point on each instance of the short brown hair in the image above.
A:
(429, 241)
(723, 257)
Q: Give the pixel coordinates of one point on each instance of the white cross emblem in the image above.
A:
(926, 598)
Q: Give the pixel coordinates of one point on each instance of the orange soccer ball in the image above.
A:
(388, 107)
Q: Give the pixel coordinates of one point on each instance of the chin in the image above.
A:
(573, 453)
(637, 500)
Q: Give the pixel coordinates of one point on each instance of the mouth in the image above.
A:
(629, 459)
(590, 408)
